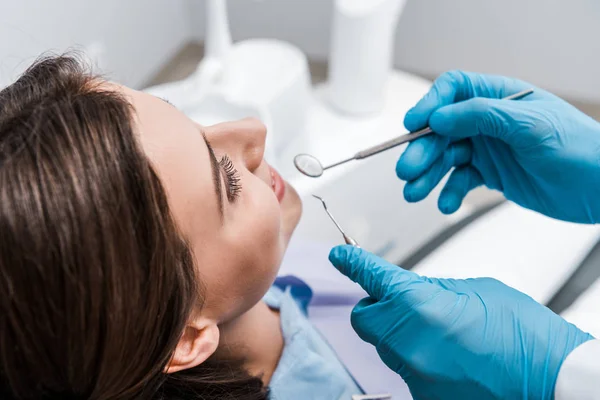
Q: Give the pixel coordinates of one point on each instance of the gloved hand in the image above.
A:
(457, 339)
(541, 152)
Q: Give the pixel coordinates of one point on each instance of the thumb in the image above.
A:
(374, 274)
(495, 118)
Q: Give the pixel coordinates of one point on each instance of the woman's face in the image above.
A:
(234, 210)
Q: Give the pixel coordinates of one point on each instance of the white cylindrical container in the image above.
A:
(361, 54)
(218, 36)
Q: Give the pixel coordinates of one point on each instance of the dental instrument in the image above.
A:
(347, 238)
(310, 166)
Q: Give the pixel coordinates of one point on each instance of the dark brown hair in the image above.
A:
(96, 282)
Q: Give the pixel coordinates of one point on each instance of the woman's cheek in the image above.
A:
(269, 239)
(267, 233)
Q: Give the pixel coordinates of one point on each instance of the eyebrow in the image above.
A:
(214, 164)
(216, 169)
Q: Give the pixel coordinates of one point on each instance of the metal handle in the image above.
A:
(415, 135)
(392, 143)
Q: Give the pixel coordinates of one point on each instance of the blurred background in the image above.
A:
(551, 43)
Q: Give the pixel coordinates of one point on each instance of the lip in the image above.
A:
(277, 183)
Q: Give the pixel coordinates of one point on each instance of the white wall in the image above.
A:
(552, 43)
(131, 39)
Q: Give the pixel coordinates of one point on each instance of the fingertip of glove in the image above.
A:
(413, 120)
(449, 203)
(404, 170)
(345, 257)
(439, 121)
(339, 254)
(409, 193)
(410, 164)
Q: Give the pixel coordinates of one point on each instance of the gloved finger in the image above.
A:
(392, 323)
(453, 285)
(457, 154)
(374, 274)
(360, 313)
(461, 181)
(507, 120)
(455, 86)
(442, 92)
(420, 155)
(371, 319)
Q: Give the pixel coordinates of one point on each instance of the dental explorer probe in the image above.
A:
(311, 166)
(347, 238)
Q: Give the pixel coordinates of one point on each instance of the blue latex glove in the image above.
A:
(541, 152)
(457, 339)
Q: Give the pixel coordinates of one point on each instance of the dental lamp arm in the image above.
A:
(218, 44)
(218, 37)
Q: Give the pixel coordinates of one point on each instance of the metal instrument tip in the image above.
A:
(321, 199)
(347, 238)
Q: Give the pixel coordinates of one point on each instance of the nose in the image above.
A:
(243, 140)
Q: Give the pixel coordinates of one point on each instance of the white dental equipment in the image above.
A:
(311, 166)
(360, 63)
(266, 79)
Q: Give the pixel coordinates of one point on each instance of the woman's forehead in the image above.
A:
(178, 152)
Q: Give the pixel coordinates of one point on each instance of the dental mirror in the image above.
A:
(312, 167)
(309, 165)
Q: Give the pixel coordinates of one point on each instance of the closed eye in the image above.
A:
(233, 184)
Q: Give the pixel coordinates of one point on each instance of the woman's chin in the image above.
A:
(291, 211)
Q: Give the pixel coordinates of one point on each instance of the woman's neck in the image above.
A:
(256, 337)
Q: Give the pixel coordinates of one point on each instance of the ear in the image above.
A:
(199, 341)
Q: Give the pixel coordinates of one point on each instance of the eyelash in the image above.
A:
(234, 186)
